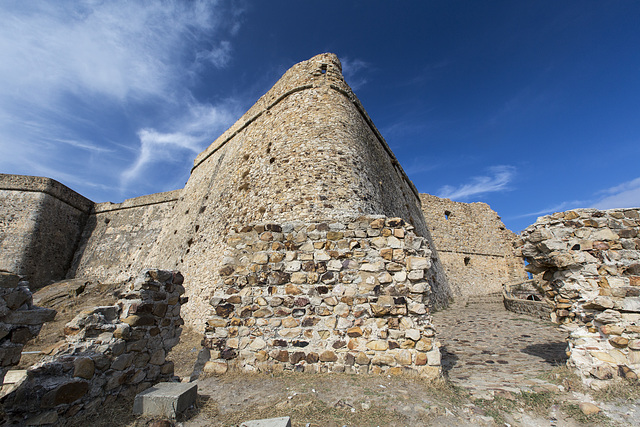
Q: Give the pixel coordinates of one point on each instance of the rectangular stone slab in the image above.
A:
(165, 399)
(270, 422)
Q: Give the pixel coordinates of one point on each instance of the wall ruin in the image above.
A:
(474, 246)
(350, 296)
(588, 264)
(20, 320)
(109, 351)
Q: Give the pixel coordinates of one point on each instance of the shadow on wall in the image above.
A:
(81, 245)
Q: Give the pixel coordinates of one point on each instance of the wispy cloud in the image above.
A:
(352, 72)
(498, 180)
(85, 80)
(419, 165)
(625, 195)
(190, 134)
(560, 207)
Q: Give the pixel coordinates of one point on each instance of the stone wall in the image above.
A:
(20, 320)
(40, 224)
(120, 235)
(474, 246)
(326, 297)
(306, 150)
(588, 263)
(109, 352)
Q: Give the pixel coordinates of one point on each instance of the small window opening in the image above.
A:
(447, 214)
(323, 68)
(467, 260)
(575, 247)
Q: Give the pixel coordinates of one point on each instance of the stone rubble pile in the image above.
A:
(109, 351)
(20, 320)
(588, 263)
(326, 297)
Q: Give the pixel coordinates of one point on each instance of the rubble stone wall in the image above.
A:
(119, 236)
(326, 297)
(109, 352)
(588, 264)
(41, 222)
(306, 150)
(20, 320)
(474, 246)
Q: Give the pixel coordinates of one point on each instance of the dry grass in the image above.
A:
(623, 390)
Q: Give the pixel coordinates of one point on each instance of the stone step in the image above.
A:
(270, 422)
(165, 399)
(495, 298)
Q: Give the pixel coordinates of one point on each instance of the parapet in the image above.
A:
(46, 186)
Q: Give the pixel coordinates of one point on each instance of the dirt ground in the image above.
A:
(336, 399)
(366, 400)
(68, 298)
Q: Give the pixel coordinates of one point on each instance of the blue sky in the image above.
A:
(531, 107)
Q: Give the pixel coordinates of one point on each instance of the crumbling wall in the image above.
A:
(588, 264)
(119, 236)
(474, 246)
(41, 222)
(109, 352)
(20, 320)
(306, 150)
(326, 297)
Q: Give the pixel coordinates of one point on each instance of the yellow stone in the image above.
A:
(378, 345)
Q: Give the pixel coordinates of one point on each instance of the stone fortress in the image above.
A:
(302, 242)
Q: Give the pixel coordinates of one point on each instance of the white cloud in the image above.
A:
(84, 82)
(560, 207)
(190, 134)
(625, 195)
(352, 72)
(498, 180)
(116, 49)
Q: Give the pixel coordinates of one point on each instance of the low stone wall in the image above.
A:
(326, 297)
(109, 352)
(588, 264)
(539, 309)
(526, 298)
(19, 319)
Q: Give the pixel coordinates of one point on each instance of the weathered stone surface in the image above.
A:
(65, 394)
(474, 246)
(165, 399)
(213, 367)
(95, 361)
(586, 275)
(588, 408)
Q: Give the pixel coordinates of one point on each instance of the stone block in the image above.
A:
(269, 422)
(165, 399)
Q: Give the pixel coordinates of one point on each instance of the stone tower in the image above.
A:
(307, 151)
